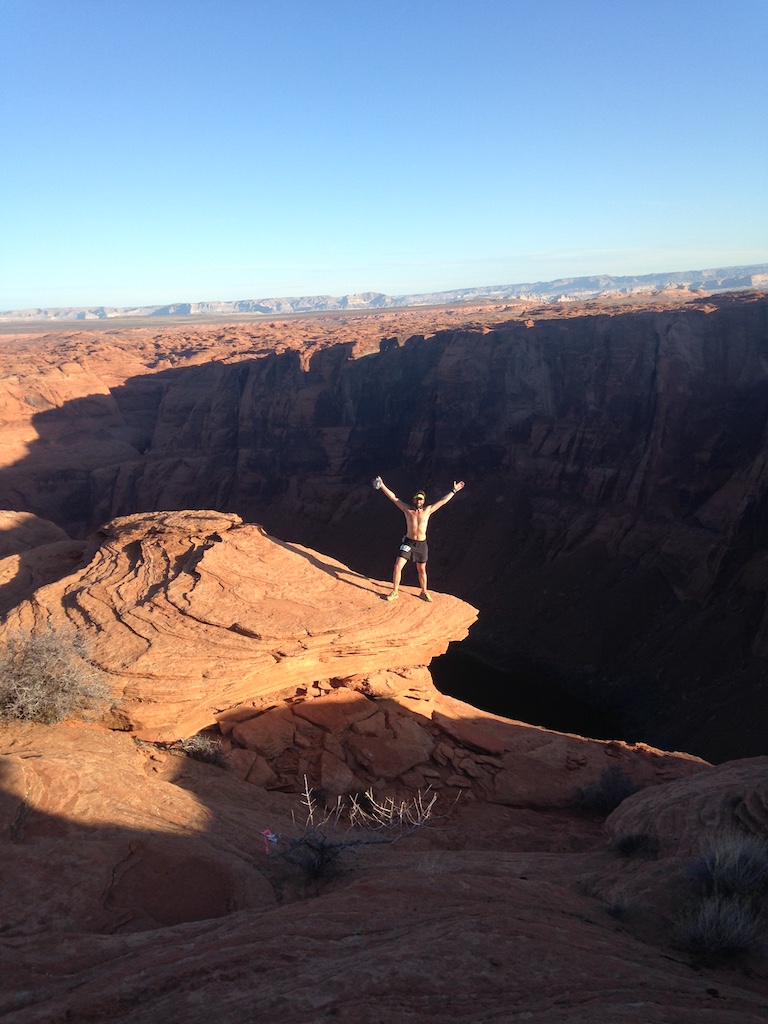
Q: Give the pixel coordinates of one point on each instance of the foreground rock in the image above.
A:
(145, 892)
(394, 732)
(732, 798)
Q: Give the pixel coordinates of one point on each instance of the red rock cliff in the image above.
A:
(613, 524)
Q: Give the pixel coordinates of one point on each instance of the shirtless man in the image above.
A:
(413, 547)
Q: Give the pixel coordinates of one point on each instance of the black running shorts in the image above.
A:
(413, 550)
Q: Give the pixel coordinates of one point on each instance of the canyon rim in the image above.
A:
(612, 529)
(197, 501)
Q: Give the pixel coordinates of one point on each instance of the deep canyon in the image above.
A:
(612, 532)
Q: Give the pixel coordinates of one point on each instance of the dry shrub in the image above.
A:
(732, 864)
(718, 925)
(728, 915)
(365, 821)
(47, 676)
(205, 749)
(605, 795)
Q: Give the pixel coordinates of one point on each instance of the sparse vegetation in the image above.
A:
(733, 864)
(205, 749)
(47, 676)
(717, 926)
(605, 795)
(365, 821)
(729, 914)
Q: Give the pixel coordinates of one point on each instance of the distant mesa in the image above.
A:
(565, 289)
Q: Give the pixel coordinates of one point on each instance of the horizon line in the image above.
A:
(500, 291)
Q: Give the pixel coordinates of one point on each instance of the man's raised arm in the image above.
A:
(457, 485)
(379, 484)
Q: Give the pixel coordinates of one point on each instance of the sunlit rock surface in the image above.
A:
(190, 613)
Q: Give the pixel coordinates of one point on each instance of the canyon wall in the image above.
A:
(613, 527)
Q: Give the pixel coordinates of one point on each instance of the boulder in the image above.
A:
(268, 734)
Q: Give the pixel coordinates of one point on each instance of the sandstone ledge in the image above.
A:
(393, 732)
(191, 613)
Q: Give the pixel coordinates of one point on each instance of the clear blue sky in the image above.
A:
(169, 150)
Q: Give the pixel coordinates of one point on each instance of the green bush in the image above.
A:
(46, 676)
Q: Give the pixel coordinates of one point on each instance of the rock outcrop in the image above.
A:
(732, 799)
(200, 621)
(191, 613)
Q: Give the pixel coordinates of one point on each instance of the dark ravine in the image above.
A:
(614, 527)
(525, 694)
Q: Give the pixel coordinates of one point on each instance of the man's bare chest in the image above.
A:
(417, 523)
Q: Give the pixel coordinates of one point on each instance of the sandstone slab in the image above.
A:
(100, 835)
(338, 710)
(192, 613)
(20, 531)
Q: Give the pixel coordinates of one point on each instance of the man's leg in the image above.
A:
(421, 569)
(396, 574)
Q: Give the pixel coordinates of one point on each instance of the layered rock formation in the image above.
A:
(197, 620)
(189, 614)
(611, 531)
(563, 289)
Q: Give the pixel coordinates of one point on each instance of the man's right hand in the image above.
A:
(377, 482)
